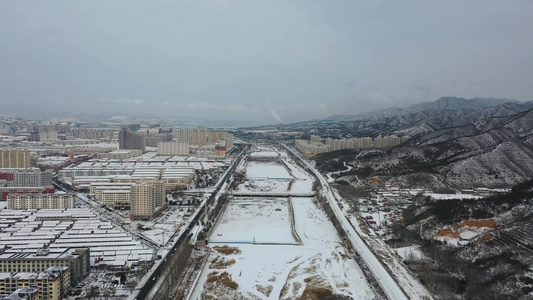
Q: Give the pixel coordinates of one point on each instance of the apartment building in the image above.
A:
(26, 177)
(120, 154)
(48, 136)
(90, 133)
(15, 158)
(23, 293)
(173, 148)
(119, 198)
(76, 260)
(310, 149)
(32, 178)
(315, 146)
(131, 140)
(40, 201)
(201, 136)
(47, 127)
(229, 141)
(6, 190)
(97, 188)
(51, 283)
(146, 196)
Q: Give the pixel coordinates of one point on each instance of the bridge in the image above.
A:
(271, 194)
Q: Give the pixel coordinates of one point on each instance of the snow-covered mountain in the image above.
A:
(496, 151)
(422, 118)
(450, 104)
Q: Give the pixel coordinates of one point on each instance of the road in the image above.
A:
(385, 280)
(146, 289)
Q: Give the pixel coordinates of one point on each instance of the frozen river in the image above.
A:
(282, 268)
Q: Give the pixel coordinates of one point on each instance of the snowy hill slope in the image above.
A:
(492, 152)
(422, 118)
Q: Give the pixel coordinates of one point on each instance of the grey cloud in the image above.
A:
(219, 60)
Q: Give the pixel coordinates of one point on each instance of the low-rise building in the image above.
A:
(27, 177)
(77, 260)
(23, 293)
(40, 201)
(6, 190)
(51, 283)
(120, 154)
(120, 199)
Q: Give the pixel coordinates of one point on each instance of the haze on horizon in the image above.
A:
(261, 62)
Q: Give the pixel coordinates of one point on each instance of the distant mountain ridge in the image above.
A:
(443, 103)
(417, 119)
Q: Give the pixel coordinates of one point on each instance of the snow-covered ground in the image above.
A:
(451, 196)
(264, 185)
(249, 219)
(272, 154)
(285, 271)
(280, 271)
(410, 253)
(303, 182)
(266, 170)
(403, 282)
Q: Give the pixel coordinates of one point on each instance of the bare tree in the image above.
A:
(93, 292)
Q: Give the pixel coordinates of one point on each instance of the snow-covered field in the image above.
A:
(264, 185)
(248, 219)
(272, 154)
(279, 271)
(284, 272)
(266, 170)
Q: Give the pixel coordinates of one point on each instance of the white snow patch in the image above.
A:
(262, 220)
(410, 253)
(468, 235)
(451, 196)
(264, 170)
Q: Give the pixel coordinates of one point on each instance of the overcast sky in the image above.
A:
(259, 60)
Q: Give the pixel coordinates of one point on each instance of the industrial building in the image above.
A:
(176, 171)
(29, 231)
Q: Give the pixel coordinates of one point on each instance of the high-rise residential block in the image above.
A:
(15, 158)
(173, 148)
(131, 140)
(146, 197)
